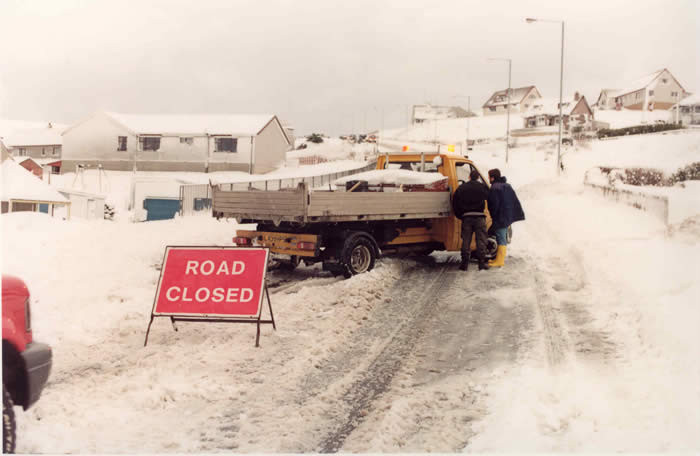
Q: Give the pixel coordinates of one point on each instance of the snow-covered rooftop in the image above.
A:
(516, 96)
(34, 137)
(550, 106)
(193, 124)
(691, 100)
(20, 184)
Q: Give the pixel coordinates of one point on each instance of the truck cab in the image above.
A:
(445, 233)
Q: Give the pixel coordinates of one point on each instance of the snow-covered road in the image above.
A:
(586, 341)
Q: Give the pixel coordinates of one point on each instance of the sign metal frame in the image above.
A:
(215, 318)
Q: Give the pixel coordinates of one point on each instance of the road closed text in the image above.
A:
(184, 294)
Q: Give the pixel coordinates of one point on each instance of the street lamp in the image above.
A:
(507, 106)
(469, 111)
(530, 20)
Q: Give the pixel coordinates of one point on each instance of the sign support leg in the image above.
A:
(148, 330)
(257, 336)
(269, 305)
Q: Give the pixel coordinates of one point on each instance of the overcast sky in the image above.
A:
(325, 66)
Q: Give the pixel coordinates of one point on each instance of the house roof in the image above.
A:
(43, 136)
(649, 81)
(692, 100)
(20, 184)
(550, 106)
(38, 161)
(516, 96)
(193, 124)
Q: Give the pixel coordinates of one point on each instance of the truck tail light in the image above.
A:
(306, 246)
(242, 241)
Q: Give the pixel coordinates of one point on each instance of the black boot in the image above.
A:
(464, 264)
(483, 265)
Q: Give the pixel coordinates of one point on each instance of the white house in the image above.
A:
(168, 142)
(428, 112)
(545, 113)
(658, 90)
(687, 112)
(521, 99)
(36, 142)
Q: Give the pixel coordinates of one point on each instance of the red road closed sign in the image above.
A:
(221, 282)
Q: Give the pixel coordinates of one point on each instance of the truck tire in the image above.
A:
(491, 247)
(8, 422)
(358, 254)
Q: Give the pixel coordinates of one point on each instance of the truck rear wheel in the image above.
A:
(8, 422)
(358, 255)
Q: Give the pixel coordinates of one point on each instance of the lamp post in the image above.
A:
(507, 106)
(469, 111)
(530, 20)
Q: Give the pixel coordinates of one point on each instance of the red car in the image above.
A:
(25, 364)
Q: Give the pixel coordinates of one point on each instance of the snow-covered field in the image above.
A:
(206, 388)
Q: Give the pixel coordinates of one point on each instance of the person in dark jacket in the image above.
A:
(505, 209)
(468, 204)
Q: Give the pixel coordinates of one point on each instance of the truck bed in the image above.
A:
(301, 205)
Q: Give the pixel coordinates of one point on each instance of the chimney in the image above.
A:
(576, 96)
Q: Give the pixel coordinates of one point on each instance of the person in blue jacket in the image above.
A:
(505, 209)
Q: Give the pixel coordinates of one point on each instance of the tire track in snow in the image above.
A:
(376, 379)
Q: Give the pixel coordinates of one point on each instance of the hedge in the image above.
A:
(636, 130)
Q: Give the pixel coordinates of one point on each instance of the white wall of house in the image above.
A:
(84, 205)
(97, 140)
(667, 92)
(270, 148)
(46, 151)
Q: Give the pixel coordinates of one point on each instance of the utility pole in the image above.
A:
(507, 105)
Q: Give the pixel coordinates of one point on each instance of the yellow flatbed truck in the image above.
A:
(348, 230)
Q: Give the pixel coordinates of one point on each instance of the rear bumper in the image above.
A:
(37, 360)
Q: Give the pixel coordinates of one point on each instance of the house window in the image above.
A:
(697, 109)
(492, 108)
(226, 144)
(43, 151)
(55, 151)
(674, 94)
(22, 152)
(121, 143)
(187, 141)
(664, 80)
(55, 170)
(651, 93)
(149, 143)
